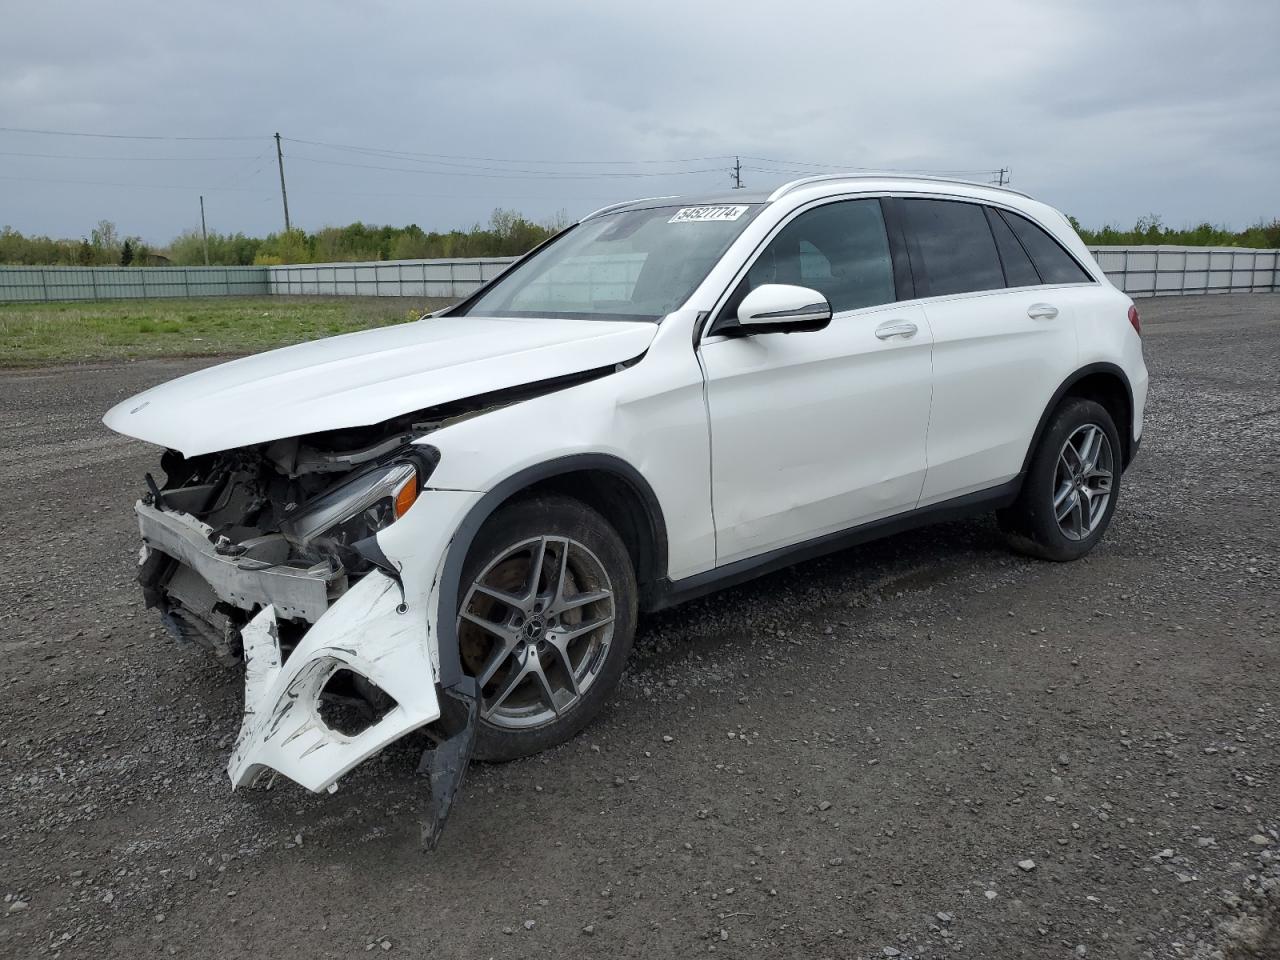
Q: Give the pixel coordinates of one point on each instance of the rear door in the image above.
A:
(814, 432)
(1003, 341)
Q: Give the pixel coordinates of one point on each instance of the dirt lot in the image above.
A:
(918, 748)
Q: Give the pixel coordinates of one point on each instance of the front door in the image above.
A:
(814, 432)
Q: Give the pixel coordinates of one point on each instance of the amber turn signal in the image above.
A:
(406, 495)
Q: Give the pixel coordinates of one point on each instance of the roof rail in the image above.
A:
(823, 178)
(624, 203)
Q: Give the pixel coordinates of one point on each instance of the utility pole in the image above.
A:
(284, 197)
(204, 234)
(1002, 176)
(737, 173)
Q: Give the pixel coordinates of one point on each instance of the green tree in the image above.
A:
(291, 246)
(105, 243)
(126, 253)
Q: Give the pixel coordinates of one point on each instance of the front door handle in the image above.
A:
(897, 328)
(1042, 311)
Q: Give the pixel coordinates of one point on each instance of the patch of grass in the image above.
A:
(35, 334)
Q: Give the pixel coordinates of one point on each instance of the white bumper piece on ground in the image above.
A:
(364, 631)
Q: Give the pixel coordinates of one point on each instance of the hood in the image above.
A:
(363, 378)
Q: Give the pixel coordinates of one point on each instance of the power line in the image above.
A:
(236, 176)
(513, 174)
(842, 167)
(408, 154)
(401, 195)
(873, 170)
(404, 158)
(80, 156)
(304, 192)
(468, 161)
(136, 186)
(112, 136)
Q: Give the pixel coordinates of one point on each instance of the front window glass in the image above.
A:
(629, 265)
(840, 249)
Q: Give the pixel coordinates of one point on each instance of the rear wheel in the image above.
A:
(546, 623)
(1070, 490)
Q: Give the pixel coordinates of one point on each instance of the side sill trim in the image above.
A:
(667, 593)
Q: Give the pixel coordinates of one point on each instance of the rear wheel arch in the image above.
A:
(1104, 383)
(608, 484)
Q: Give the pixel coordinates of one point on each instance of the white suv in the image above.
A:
(455, 522)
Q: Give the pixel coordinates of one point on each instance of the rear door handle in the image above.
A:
(897, 328)
(1042, 311)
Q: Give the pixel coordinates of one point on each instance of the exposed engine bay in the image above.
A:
(304, 508)
(308, 504)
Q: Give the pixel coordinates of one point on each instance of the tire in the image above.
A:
(547, 656)
(1059, 480)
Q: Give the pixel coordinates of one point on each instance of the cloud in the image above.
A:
(1108, 110)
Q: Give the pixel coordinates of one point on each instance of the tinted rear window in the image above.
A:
(1054, 264)
(956, 245)
(1018, 268)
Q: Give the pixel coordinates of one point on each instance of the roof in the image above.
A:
(687, 200)
(833, 181)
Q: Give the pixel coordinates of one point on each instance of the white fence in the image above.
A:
(1161, 271)
(127, 283)
(1139, 271)
(449, 279)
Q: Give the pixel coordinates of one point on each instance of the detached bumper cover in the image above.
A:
(363, 631)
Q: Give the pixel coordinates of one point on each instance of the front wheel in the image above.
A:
(1070, 490)
(545, 624)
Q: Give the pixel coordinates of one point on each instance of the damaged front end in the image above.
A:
(269, 555)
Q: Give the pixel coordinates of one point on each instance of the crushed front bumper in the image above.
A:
(366, 631)
(380, 628)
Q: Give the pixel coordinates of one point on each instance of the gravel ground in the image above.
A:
(921, 747)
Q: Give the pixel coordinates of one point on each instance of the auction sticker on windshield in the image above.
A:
(702, 214)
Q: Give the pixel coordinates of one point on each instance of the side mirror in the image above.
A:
(783, 308)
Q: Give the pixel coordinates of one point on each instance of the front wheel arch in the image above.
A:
(590, 477)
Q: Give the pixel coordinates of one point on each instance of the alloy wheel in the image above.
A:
(535, 629)
(1082, 481)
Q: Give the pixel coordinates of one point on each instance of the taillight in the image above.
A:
(1133, 319)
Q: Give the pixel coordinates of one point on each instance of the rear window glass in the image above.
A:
(1054, 264)
(1018, 268)
(956, 245)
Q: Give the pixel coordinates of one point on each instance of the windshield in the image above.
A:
(629, 265)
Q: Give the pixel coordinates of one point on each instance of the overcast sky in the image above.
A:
(1108, 110)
